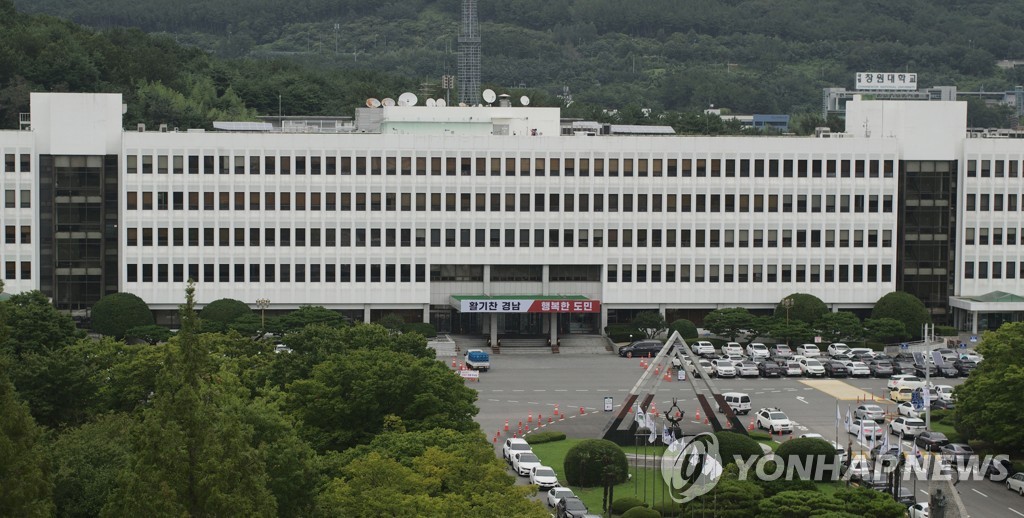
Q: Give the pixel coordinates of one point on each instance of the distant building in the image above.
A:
(779, 123)
(833, 100)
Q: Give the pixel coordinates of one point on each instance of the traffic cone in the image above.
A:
(529, 418)
(506, 425)
(751, 426)
(581, 411)
(561, 417)
(657, 370)
(668, 374)
(515, 436)
(453, 362)
(654, 408)
(698, 414)
(495, 441)
(540, 418)
(498, 433)
(556, 409)
(706, 420)
(549, 419)
(520, 424)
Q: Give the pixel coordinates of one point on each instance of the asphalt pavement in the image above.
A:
(530, 387)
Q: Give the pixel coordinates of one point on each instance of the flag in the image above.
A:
(926, 396)
(666, 436)
(653, 427)
(899, 444)
(838, 417)
(885, 443)
(640, 417)
(860, 433)
(847, 422)
(874, 436)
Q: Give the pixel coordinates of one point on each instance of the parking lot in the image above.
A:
(529, 387)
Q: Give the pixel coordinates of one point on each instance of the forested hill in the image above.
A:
(753, 56)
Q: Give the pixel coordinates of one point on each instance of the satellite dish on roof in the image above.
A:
(441, 103)
(524, 100)
(372, 103)
(430, 103)
(388, 102)
(489, 96)
(407, 99)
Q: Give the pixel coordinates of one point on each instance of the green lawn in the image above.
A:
(553, 454)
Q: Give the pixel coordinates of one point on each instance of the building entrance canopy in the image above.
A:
(525, 304)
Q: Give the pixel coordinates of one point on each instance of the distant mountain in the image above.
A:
(748, 55)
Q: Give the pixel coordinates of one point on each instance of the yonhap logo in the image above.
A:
(693, 468)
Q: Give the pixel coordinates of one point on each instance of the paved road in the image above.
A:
(524, 385)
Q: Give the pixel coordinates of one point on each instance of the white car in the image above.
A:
(861, 350)
(971, 356)
(812, 367)
(746, 369)
(773, 420)
(918, 510)
(523, 462)
(514, 446)
(869, 412)
(723, 368)
(870, 428)
(704, 365)
(837, 348)
(793, 368)
(860, 369)
(1016, 483)
(901, 380)
(557, 493)
(732, 349)
(945, 392)
(758, 351)
(808, 350)
(907, 409)
(543, 477)
(906, 426)
(703, 347)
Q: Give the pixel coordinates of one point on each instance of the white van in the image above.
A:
(738, 401)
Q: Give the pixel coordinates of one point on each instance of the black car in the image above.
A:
(999, 469)
(958, 452)
(770, 369)
(834, 369)
(880, 368)
(939, 404)
(570, 507)
(949, 371)
(919, 370)
(891, 452)
(902, 366)
(931, 441)
(964, 367)
(641, 348)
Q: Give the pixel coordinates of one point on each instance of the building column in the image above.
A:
(554, 328)
(493, 320)
(426, 313)
(604, 318)
(366, 314)
(974, 323)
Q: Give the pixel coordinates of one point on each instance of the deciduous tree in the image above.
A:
(839, 326)
(651, 323)
(25, 486)
(988, 401)
(906, 308)
(729, 322)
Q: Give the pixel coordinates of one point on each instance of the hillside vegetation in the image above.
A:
(750, 56)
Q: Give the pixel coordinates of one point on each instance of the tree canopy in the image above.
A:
(114, 314)
(904, 307)
(987, 399)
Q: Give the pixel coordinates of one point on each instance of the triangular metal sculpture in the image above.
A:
(647, 386)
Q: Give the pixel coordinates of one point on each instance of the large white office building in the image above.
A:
(490, 220)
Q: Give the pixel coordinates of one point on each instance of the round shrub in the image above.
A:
(686, 328)
(668, 508)
(424, 328)
(543, 437)
(806, 308)
(641, 512)
(224, 311)
(808, 452)
(621, 505)
(732, 444)
(586, 462)
(114, 314)
(906, 308)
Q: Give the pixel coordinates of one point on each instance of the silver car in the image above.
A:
(870, 412)
(746, 369)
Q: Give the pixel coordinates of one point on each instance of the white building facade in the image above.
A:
(433, 217)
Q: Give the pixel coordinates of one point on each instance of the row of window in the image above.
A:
(993, 202)
(994, 236)
(992, 168)
(12, 234)
(496, 166)
(11, 270)
(993, 270)
(494, 238)
(713, 273)
(12, 199)
(537, 202)
(12, 161)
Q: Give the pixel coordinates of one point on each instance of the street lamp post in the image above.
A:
(788, 304)
(263, 304)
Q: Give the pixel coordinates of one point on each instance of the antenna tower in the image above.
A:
(469, 55)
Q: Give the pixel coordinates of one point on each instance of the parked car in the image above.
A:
(903, 366)
(918, 510)
(641, 348)
(808, 350)
(945, 392)
(880, 368)
(999, 469)
(570, 507)
(956, 453)
(949, 371)
(835, 369)
(812, 367)
(931, 441)
(1016, 483)
(907, 409)
(861, 351)
(854, 426)
(940, 404)
(901, 394)
(732, 349)
(523, 462)
(704, 348)
(738, 401)
(557, 493)
(781, 352)
(858, 369)
(543, 477)
(703, 365)
(723, 368)
(770, 369)
(970, 356)
(906, 426)
(747, 369)
(513, 446)
(837, 348)
(793, 368)
(773, 420)
(872, 412)
(858, 469)
(879, 451)
(948, 355)
(964, 367)
(932, 370)
(904, 380)
(758, 351)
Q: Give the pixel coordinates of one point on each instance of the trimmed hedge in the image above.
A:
(543, 437)
(731, 444)
(686, 328)
(759, 435)
(621, 505)
(641, 512)
(586, 462)
(802, 451)
(946, 331)
(424, 328)
(623, 332)
(939, 415)
(668, 508)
